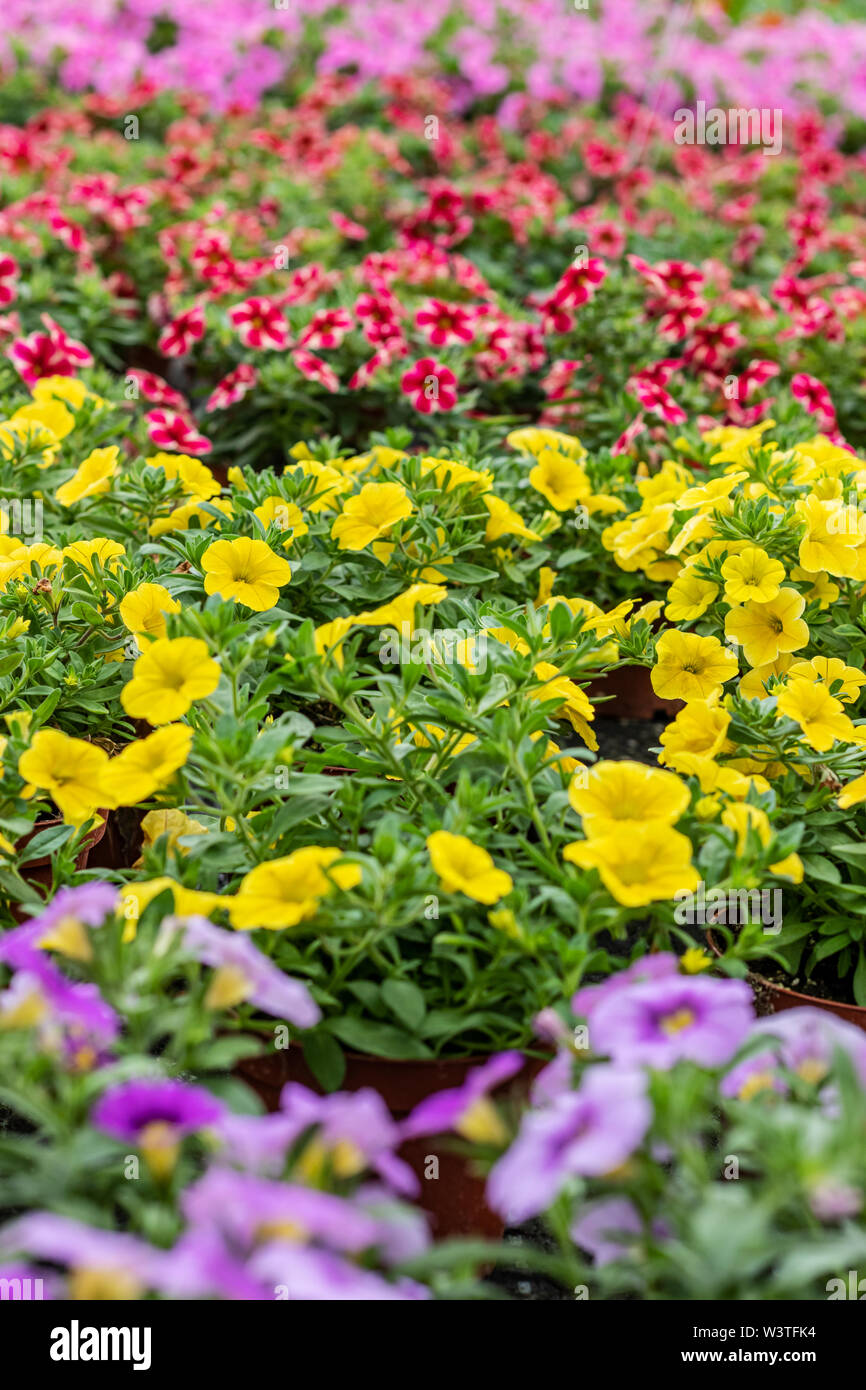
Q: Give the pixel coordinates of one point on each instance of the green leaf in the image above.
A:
(378, 1039)
(858, 984)
(406, 1001)
(326, 1060)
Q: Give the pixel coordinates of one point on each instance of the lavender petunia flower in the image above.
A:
(454, 1109)
(89, 904)
(126, 1110)
(356, 1127)
(64, 1241)
(267, 986)
(661, 1021)
(603, 1228)
(585, 1133)
(653, 967)
(805, 1040)
(298, 1271)
(243, 1207)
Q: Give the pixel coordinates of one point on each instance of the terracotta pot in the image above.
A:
(122, 842)
(777, 998)
(39, 870)
(633, 696)
(455, 1201)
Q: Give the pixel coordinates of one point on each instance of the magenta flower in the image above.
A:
(260, 324)
(583, 1133)
(268, 987)
(659, 1022)
(126, 1110)
(171, 429)
(431, 386)
(455, 1108)
(178, 336)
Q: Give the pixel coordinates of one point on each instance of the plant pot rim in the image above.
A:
(854, 1013)
(91, 839)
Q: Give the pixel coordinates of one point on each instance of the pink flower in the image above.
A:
(352, 231)
(431, 385)
(814, 397)
(578, 284)
(154, 388)
(52, 353)
(445, 323)
(232, 388)
(8, 277)
(660, 402)
(315, 369)
(260, 324)
(177, 337)
(327, 328)
(169, 429)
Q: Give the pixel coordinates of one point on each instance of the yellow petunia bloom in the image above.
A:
(534, 440)
(144, 608)
(767, 630)
(245, 570)
(198, 509)
(752, 576)
(99, 550)
(821, 717)
(195, 477)
(287, 516)
(700, 727)
(828, 670)
(638, 864)
(144, 766)
(560, 479)
(689, 597)
(167, 678)
(464, 867)
(370, 514)
(505, 521)
(69, 769)
(833, 534)
(690, 667)
(287, 891)
(615, 795)
(91, 478)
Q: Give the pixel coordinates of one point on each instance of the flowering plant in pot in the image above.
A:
(676, 1147)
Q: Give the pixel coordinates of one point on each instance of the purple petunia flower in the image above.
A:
(90, 904)
(447, 1110)
(603, 1228)
(126, 1110)
(298, 1271)
(359, 1123)
(584, 1133)
(242, 1206)
(64, 1241)
(805, 1040)
(661, 1021)
(653, 967)
(269, 988)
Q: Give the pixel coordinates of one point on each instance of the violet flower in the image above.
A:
(466, 1109)
(583, 1133)
(659, 1022)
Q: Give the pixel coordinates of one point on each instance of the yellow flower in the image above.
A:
(92, 477)
(187, 901)
(689, 597)
(546, 580)
(689, 667)
(64, 388)
(638, 864)
(195, 477)
(820, 716)
(49, 415)
(450, 473)
(822, 589)
(69, 769)
(562, 481)
(575, 703)
(504, 521)
(534, 440)
(700, 727)
(330, 637)
(615, 795)
(179, 518)
(464, 867)
(766, 630)
(828, 670)
(287, 891)
(144, 608)
(833, 534)
(330, 483)
(167, 678)
(98, 550)
(171, 823)
(752, 576)
(755, 684)
(276, 511)
(852, 793)
(246, 570)
(708, 496)
(142, 767)
(401, 609)
(365, 517)
(712, 777)
(694, 960)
